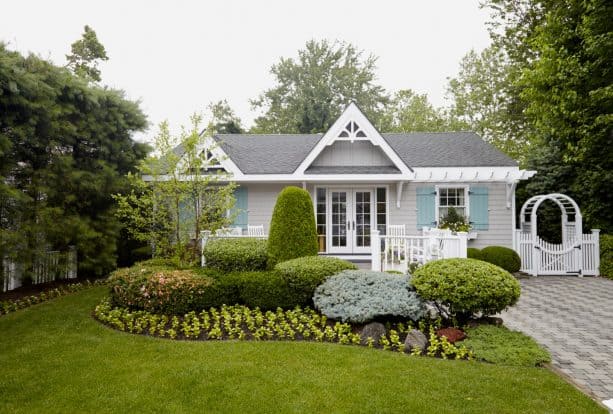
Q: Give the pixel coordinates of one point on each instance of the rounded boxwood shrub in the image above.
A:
(304, 274)
(292, 227)
(158, 290)
(360, 296)
(473, 253)
(236, 254)
(463, 288)
(501, 256)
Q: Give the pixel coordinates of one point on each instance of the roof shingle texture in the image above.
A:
(282, 154)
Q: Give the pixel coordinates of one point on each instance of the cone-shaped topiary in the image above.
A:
(292, 228)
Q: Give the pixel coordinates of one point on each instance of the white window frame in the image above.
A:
(438, 198)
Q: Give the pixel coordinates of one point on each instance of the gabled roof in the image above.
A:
(267, 154)
(282, 154)
(447, 149)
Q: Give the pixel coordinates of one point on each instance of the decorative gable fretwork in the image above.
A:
(352, 131)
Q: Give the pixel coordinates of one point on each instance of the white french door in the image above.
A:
(350, 218)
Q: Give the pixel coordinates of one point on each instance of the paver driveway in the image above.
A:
(573, 318)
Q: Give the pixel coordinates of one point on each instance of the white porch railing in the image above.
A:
(398, 252)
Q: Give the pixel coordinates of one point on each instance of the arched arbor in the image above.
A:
(578, 252)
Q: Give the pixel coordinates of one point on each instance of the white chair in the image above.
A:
(255, 231)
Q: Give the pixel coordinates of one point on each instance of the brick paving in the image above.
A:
(573, 318)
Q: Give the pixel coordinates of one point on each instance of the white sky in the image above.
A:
(177, 56)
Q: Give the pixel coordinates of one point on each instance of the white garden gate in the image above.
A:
(578, 254)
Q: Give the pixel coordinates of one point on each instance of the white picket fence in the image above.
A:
(574, 257)
(47, 267)
(398, 252)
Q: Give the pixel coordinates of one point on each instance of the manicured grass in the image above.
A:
(499, 345)
(55, 358)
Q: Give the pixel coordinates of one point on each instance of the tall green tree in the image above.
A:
(563, 51)
(177, 192)
(486, 97)
(223, 118)
(86, 54)
(310, 92)
(66, 148)
(412, 112)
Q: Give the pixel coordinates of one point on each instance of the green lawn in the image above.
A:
(55, 358)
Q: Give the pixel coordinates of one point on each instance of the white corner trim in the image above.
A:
(352, 113)
(399, 186)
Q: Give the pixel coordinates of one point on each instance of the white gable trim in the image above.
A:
(210, 144)
(352, 113)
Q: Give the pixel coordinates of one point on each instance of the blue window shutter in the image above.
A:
(426, 207)
(240, 207)
(479, 210)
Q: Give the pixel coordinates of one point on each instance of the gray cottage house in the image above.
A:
(361, 180)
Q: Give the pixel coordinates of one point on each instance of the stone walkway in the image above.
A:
(573, 318)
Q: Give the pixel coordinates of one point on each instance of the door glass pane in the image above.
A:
(321, 219)
(362, 218)
(339, 219)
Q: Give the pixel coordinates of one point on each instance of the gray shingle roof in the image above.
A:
(282, 154)
(267, 154)
(447, 149)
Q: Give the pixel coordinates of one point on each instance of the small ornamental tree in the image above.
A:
(292, 228)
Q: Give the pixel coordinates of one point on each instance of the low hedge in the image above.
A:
(463, 288)
(236, 254)
(266, 290)
(158, 290)
(606, 255)
(304, 274)
(501, 256)
(473, 253)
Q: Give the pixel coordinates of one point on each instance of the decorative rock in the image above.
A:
(415, 339)
(374, 330)
(453, 335)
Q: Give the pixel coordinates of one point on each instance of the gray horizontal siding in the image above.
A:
(343, 153)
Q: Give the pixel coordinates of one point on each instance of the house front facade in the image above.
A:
(361, 180)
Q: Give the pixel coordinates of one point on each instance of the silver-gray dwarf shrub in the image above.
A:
(360, 296)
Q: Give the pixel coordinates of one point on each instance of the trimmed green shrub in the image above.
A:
(473, 253)
(361, 296)
(462, 288)
(236, 254)
(498, 345)
(606, 255)
(266, 290)
(501, 256)
(304, 274)
(292, 227)
(158, 290)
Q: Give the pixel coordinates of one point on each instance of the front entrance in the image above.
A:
(350, 214)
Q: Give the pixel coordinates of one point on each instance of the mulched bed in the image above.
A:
(31, 290)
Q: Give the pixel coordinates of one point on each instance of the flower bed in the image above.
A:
(242, 323)
(8, 306)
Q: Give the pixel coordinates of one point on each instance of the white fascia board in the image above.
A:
(470, 174)
(353, 113)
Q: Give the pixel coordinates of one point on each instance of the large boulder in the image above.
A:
(374, 330)
(415, 339)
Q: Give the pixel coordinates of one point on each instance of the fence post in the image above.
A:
(72, 259)
(204, 238)
(596, 238)
(463, 238)
(375, 248)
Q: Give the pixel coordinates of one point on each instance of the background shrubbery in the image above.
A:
(606, 255)
(361, 296)
(462, 288)
(236, 254)
(474, 253)
(304, 274)
(501, 256)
